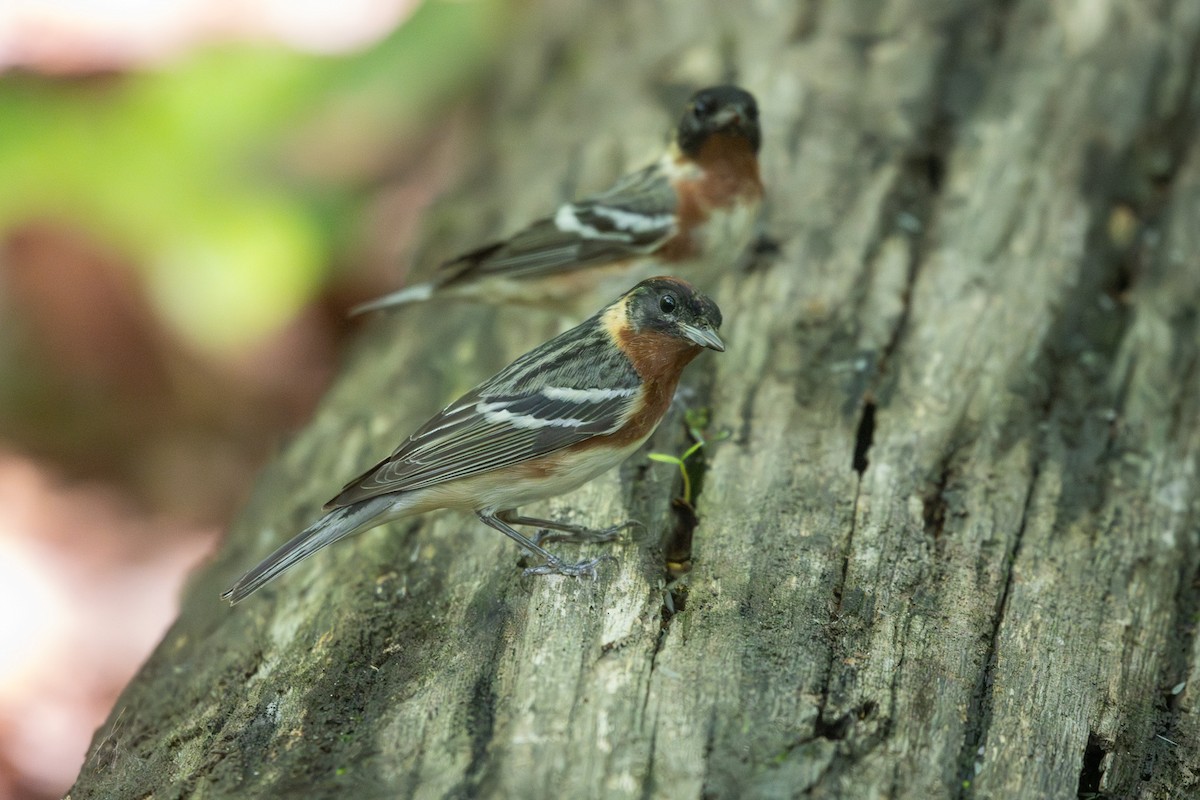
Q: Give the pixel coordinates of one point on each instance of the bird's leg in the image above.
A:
(554, 565)
(566, 532)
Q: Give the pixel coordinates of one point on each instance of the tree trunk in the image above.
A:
(950, 547)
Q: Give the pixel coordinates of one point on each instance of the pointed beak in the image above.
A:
(728, 115)
(705, 337)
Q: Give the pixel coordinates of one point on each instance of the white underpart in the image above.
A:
(729, 232)
(575, 468)
(584, 395)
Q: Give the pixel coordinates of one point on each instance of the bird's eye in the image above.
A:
(702, 107)
(752, 111)
(667, 303)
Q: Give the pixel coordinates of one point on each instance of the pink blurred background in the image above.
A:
(199, 190)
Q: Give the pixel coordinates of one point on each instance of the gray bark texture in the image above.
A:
(950, 547)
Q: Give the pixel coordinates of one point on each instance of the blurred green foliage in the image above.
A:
(197, 171)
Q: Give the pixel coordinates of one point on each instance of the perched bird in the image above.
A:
(547, 423)
(695, 209)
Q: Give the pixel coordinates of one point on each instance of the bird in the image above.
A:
(552, 420)
(694, 210)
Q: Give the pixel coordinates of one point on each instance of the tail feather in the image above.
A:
(409, 294)
(334, 526)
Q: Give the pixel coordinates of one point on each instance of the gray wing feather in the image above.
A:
(522, 417)
(633, 217)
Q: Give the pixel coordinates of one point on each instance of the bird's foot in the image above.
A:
(555, 566)
(581, 535)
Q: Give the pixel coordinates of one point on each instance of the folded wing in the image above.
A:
(546, 400)
(634, 217)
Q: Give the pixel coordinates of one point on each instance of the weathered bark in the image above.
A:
(950, 549)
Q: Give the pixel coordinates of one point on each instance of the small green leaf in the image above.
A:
(696, 419)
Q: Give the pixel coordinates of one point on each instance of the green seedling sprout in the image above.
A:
(696, 421)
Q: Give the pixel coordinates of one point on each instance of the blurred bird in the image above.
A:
(695, 209)
(552, 420)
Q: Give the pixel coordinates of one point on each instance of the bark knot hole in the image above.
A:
(864, 438)
(1093, 766)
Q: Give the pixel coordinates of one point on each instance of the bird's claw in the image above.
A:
(583, 535)
(580, 570)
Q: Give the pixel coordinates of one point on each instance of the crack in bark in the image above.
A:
(648, 782)
(838, 589)
(1093, 766)
(979, 709)
(934, 503)
(863, 438)
(909, 206)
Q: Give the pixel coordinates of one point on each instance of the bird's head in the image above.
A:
(719, 110)
(674, 308)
